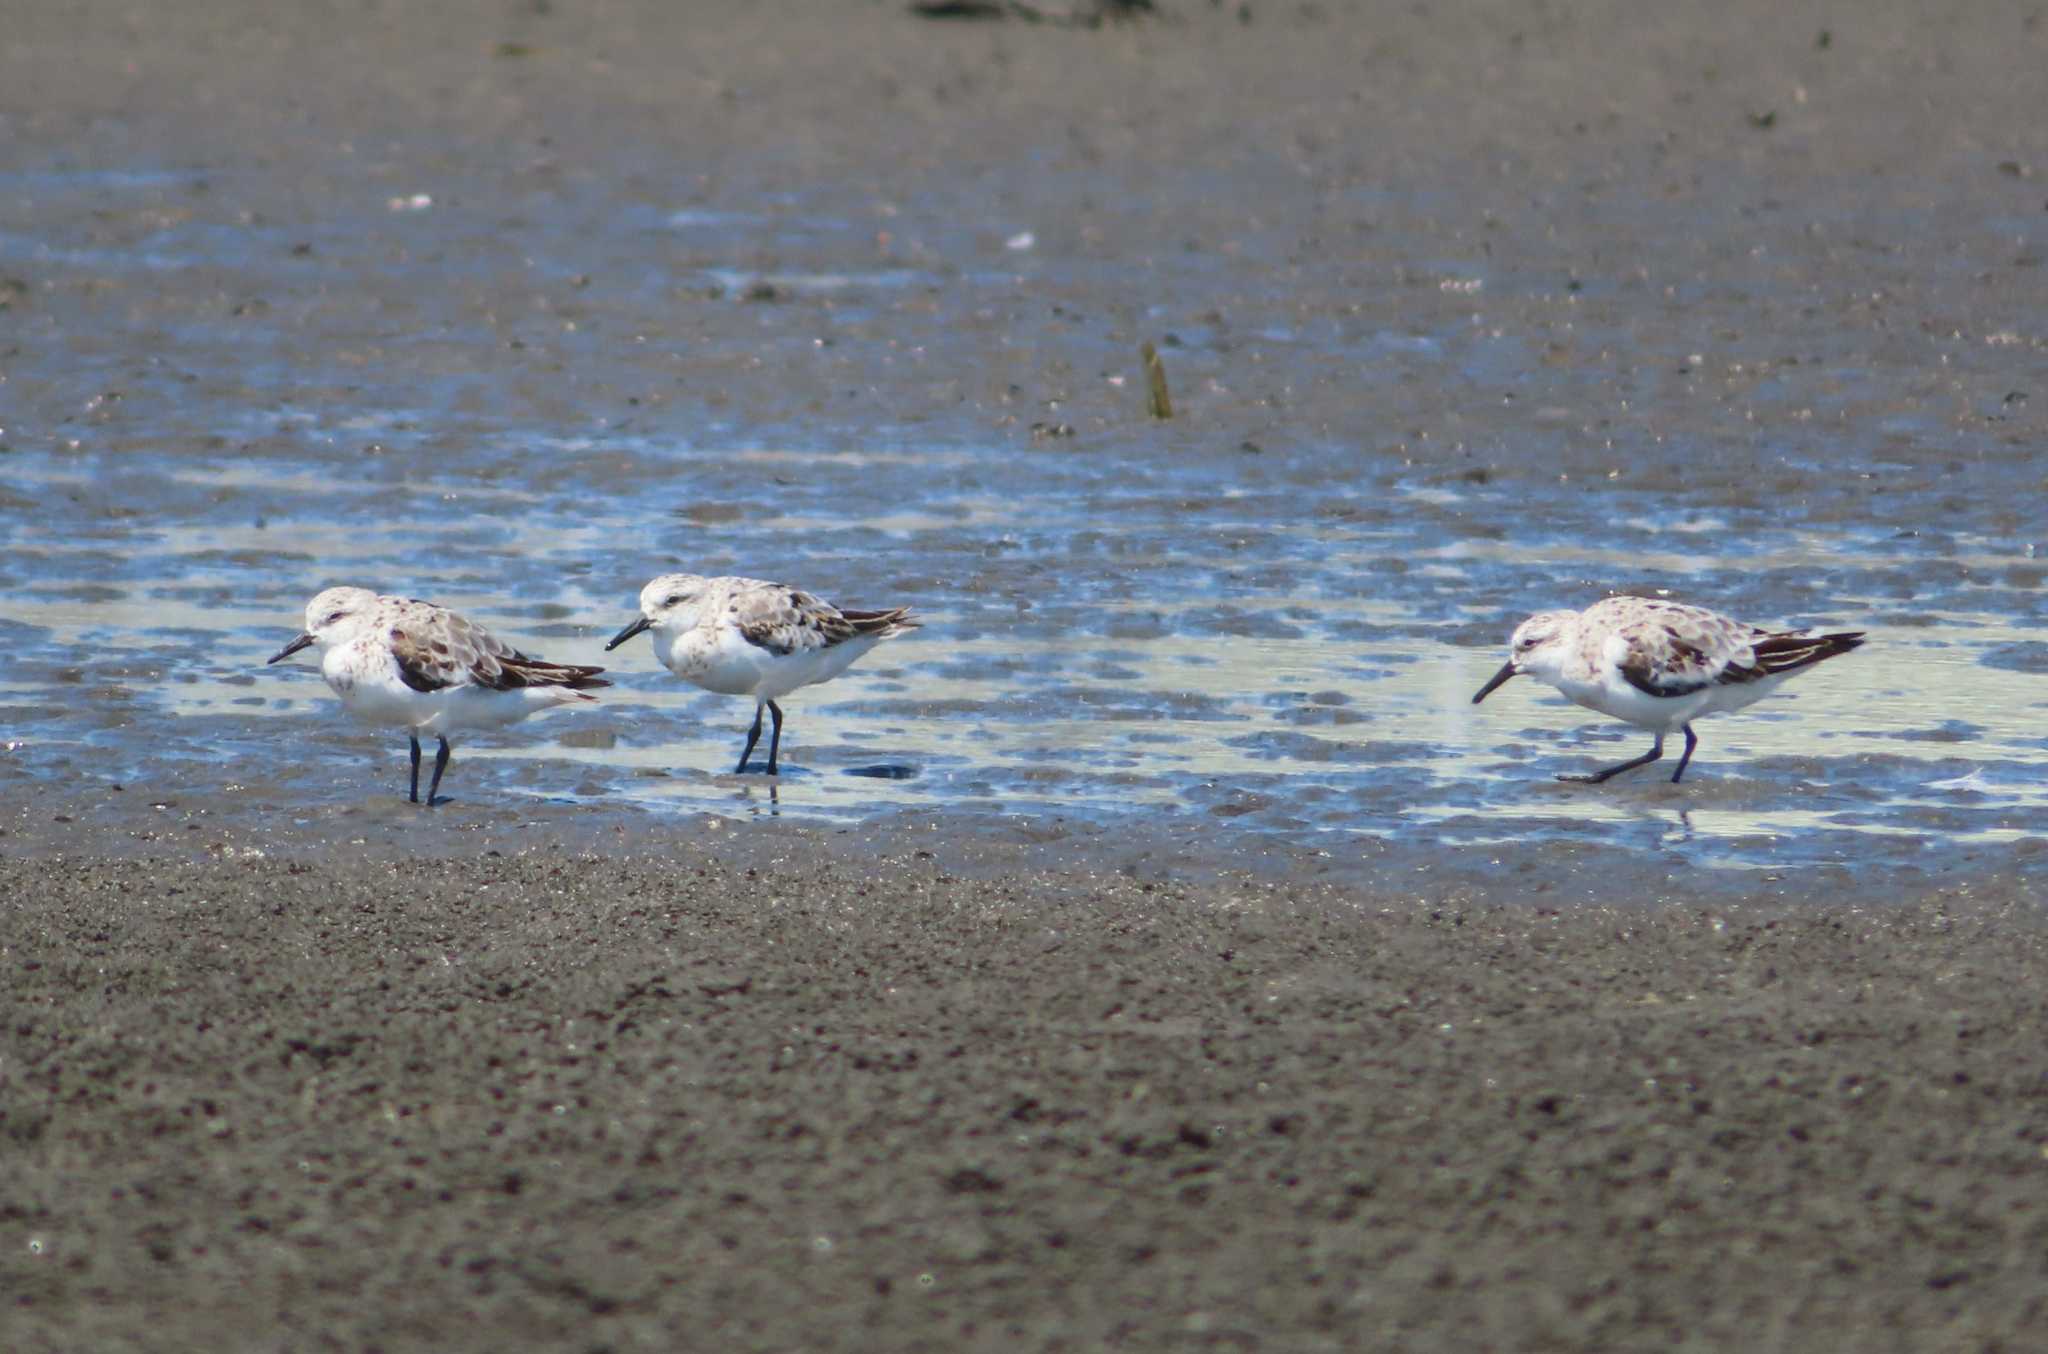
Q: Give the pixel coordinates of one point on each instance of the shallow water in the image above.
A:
(1263, 619)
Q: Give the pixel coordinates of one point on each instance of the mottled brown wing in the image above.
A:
(426, 662)
(1679, 650)
(1675, 678)
(789, 620)
(436, 649)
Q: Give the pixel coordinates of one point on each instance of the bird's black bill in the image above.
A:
(635, 628)
(288, 650)
(1493, 683)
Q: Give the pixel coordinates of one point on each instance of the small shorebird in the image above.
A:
(747, 637)
(422, 668)
(1659, 665)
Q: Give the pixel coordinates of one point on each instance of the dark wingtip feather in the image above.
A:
(1791, 652)
(539, 672)
(889, 620)
(574, 676)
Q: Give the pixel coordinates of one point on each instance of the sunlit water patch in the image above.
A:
(1206, 660)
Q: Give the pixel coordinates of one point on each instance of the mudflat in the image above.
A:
(791, 1097)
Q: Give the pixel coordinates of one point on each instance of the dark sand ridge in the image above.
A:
(617, 1088)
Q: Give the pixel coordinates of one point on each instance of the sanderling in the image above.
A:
(399, 661)
(1659, 665)
(746, 637)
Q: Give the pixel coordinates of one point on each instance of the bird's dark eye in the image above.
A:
(335, 617)
(677, 600)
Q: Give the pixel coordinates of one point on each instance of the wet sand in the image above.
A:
(800, 1096)
(286, 1064)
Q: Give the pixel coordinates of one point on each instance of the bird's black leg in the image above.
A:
(1656, 751)
(1692, 740)
(753, 737)
(414, 739)
(440, 765)
(774, 739)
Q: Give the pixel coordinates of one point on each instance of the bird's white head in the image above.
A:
(1541, 644)
(669, 605)
(1539, 647)
(331, 618)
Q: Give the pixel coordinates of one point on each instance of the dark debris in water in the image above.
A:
(1157, 399)
(1080, 13)
(2026, 656)
(1948, 731)
(884, 771)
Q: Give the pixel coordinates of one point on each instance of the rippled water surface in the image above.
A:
(1266, 616)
